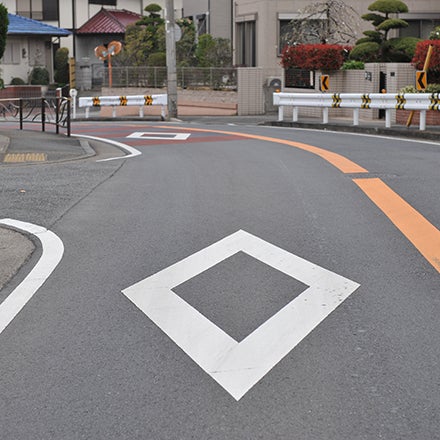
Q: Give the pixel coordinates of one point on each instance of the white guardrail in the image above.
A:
(118, 101)
(357, 101)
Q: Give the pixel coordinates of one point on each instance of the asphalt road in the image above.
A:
(221, 286)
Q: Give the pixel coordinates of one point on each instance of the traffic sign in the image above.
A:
(421, 79)
(325, 83)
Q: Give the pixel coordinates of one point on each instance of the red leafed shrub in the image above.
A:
(420, 55)
(314, 56)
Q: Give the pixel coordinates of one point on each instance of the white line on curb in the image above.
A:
(132, 151)
(53, 250)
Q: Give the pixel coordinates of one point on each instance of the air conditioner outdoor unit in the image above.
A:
(274, 81)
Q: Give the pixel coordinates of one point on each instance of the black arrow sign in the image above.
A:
(325, 82)
(421, 80)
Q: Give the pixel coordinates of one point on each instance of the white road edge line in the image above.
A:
(53, 250)
(132, 151)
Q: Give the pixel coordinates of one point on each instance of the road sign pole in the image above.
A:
(425, 68)
(171, 60)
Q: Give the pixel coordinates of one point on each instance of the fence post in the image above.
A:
(21, 113)
(43, 115)
(68, 118)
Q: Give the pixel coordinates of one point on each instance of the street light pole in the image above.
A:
(171, 59)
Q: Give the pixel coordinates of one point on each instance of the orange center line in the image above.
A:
(340, 162)
(419, 231)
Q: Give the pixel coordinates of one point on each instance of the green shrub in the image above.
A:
(368, 52)
(62, 66)
(430, 88)
(400, 50)
(157, 59)
(353, 65)
(2, 84)
(17, 81)
(39, 76)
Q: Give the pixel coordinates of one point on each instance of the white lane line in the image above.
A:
(53, 250)
(238, 366)
(132, 151)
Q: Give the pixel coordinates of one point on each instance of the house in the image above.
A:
(72, 14)
(259, 24)
(210, 17)
(105, 26)
(29, 44)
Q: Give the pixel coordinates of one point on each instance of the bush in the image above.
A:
(39, 76)
(420, 55)
(353, 65)
(418, 60)
(430, 88)
(2, 83)
(400, 50)
(158, 59)
(314, 56)
(62, 66)
(17, 82)
(368, 52)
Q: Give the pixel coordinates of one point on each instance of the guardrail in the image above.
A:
(357, 101)
(122, 101)
(54, 111)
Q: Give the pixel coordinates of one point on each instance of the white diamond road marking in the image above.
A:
(159, 135)
(237, 367)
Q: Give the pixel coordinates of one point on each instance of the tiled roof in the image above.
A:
(109, 21)
(19, 25)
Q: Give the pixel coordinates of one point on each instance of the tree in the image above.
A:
(62, 65)
(146, 37)
(4, 21)
(376, 46)
(332, 21)
(186, 46)
(213, 52)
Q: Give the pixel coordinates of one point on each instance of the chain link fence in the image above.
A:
(216, 78)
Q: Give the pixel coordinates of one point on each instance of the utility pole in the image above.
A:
(171, 59)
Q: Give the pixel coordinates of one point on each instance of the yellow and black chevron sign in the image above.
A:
(435, 101)
(96, 101)
(366, 101)
(336, 100)
(325, 83)
(401, 101)
(122, 100)
(148, 100)
(421, 79)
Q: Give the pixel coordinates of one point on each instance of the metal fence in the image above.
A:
(43, 110)
(216, 78)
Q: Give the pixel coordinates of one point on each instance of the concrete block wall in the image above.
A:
(250, 83)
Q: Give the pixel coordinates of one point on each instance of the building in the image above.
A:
(72, 14)
(29, 45)
(210, 17)
(258, 25)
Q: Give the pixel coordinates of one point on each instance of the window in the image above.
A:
(102, 2)
(419, 28)
(11, 54)
(246, 48)
(38, 9)
(299, 78)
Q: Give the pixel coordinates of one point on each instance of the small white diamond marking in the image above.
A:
(237, 367)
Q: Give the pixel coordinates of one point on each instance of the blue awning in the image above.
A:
(19, 25)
